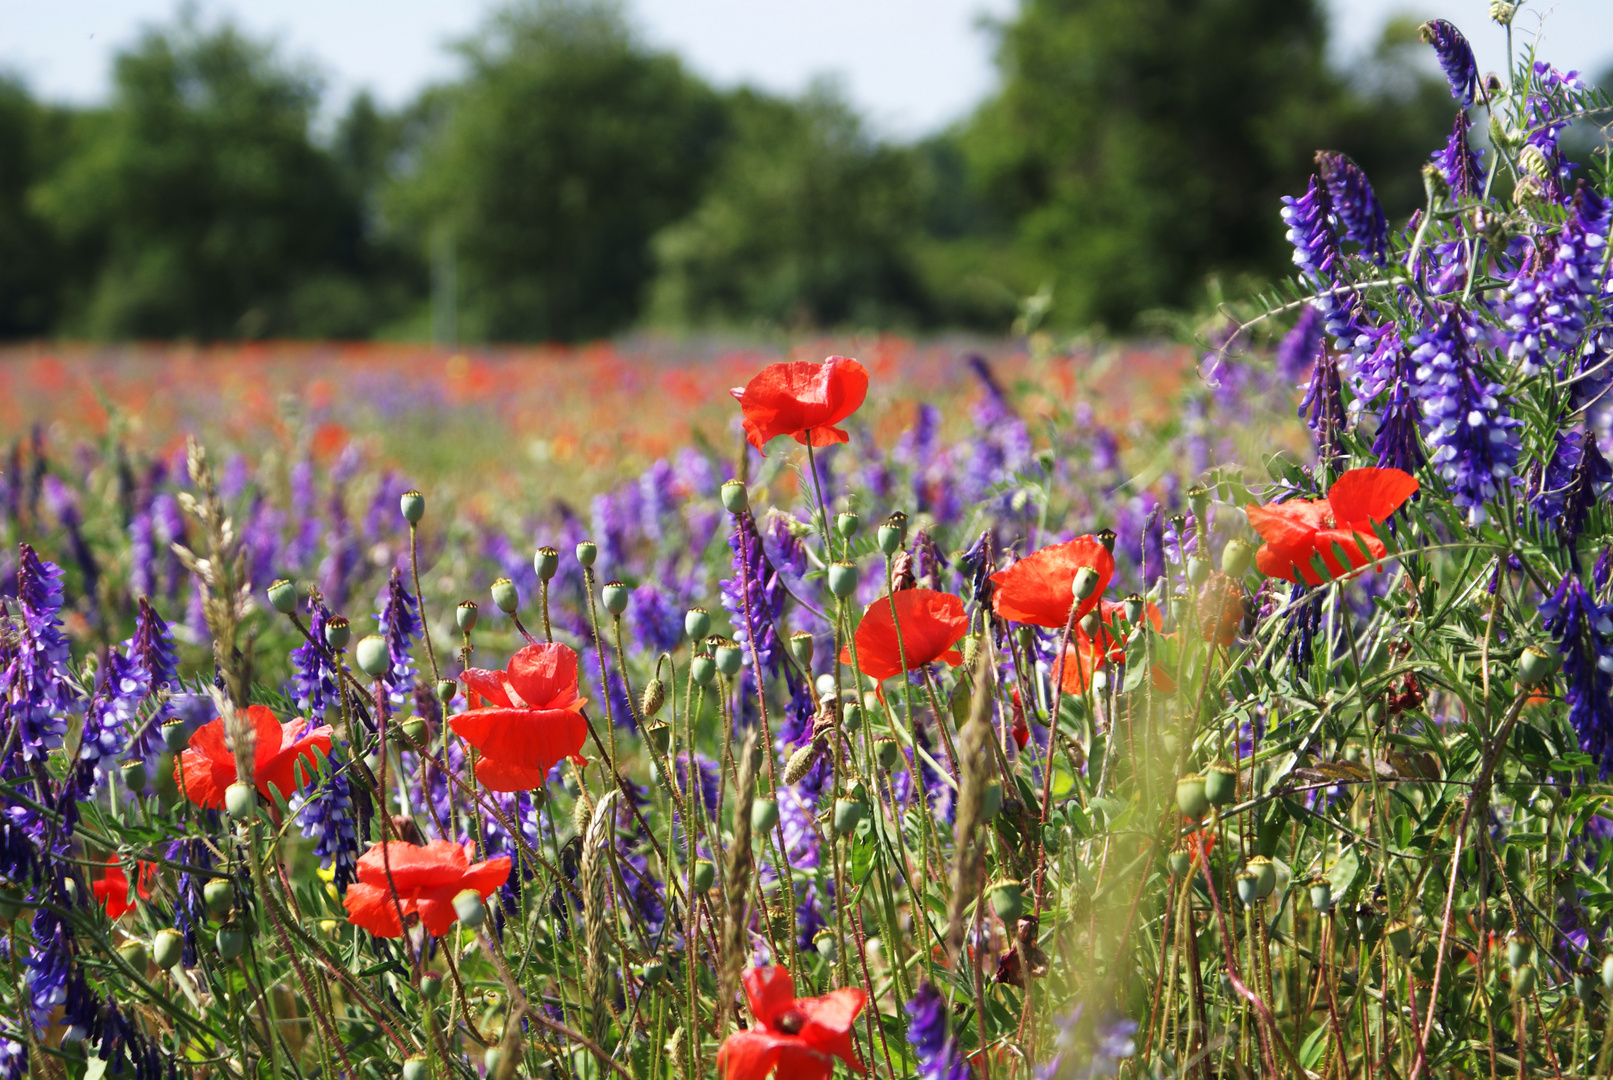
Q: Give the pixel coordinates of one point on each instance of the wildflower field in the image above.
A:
(932, 710)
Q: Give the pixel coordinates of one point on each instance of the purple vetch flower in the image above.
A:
(1304, 621)
(1466, 425)
(1322, 409)
(1297, 353)
(327, 817)
(313, 677)
(39, 696)
(657, 490)
(1584, 635)
(1455, 58)
(381, 517)
(757, 584)
(62, 502)
(142, 555)
(1459, 163)
(169, 521)
(1397, 443)
(656, 623)
(1355, 205)
(109, 718)
(153, 646)
(13, 1057)
(930, 1036)
(190, 908)
(1570, 484)
(399, 623)
(1310, 230)
(1553, 100)
(1556, 286)
(48, 967)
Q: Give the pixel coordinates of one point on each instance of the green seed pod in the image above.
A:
(1502, 11)
(1181, 863)
(1198, 570)
(1249, 888)
(893, 534)
(615, 595)
(241, 801)
(854, 788)
(416, 1067)
(587, 552)
(1106, 537)
(1368, 920)
(1007, 899)
(431, 986)
(174, 735)
(134, 954)
(1519, 950)
(991, 800)
(1536, 665)
(729, 658)
(735, 499)
(1198, 500)
(1085, 582)
(659, 736)
(468, 906)
(372, 656)
(505, 596)
(134, 776)
(416, 732)
(168, 948)
(1089, 624)
(1132, 608)
(846, 525)
(1585, 986)
(847, 814)
(1190, 796)
(283, 596)
(1607, 973)
(337, 632)
(1322, 895)
(230, 942)
(801, 648)
(653, 698)
(763, 815)
(888, 751)
(413, 505)
(1266, 873)
(1523, 980)
(1399, 935)
(851, 718)
(219, 896)
(697, 624)
(1220, 784)
(546, 561)
(466, 615)
(842, 579)
(801, 763)
(824, 942)
(702, 669)
(447, 690)
(703, 876)
(1236, 558)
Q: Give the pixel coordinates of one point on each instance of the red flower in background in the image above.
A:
(800, 1037)
(112, 888)
(283, 758)
(1298, 530)
(802, 399)
(427, 878)
(932, 624)
(1087, 654)
(1037, 588)
(532, 719)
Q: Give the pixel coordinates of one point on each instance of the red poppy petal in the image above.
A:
(1081, 662)
(268, 735)
(1037, 588)
(487, 876)
(770, 991)
(1288, 526)
(498, 775)
(798, 1061)
(1365, 495)
(545, 675)
(824, 436)
(488, 684)
(748, 1055)
(414, 867)
(931, 622)
(793, 398)
(525, 738)
(1361, 547)
(833, 1013)
(208, 741)
(371, 908)
(204, 778)
(294, 766)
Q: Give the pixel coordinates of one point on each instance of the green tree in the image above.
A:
(196, 203)
(30, 262)
(566, 147)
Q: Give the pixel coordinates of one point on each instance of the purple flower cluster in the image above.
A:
(1455, 58)
(39, 697)
(1355, 204)
(754, 597)
(1572, 482)
(1556, 285)
(1466, 425)
(327, 817)
(1584, 635)
(399, 623)
(930, 1036)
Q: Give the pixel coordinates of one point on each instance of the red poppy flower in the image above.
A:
(1298, 530)
(800, 1037)
(1087, 654)
(532, 719)
(802, 399)
(112, 888)
(932, 624)
(283, 757)
(428, 878)
(1037, 588)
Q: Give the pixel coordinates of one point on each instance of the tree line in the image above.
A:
(576, 182)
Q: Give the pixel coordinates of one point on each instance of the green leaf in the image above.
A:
(1342, 874)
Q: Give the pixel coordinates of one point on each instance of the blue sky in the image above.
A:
(911, 65)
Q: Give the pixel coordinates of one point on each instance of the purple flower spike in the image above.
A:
(1355, 205)
(931, 1038)
(1584, 636)
(1455, 58)
(1316, 247)
(1297, 353)
(1459, 163)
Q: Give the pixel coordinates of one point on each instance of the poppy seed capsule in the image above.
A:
(697, 624)
(415, 731)
(413, 505)
(893, 534)
(659, 736)
(337, 632)
(702, 669)
(447, 689)
(824, 942)
(702, 876)
(887, 750)
(372, 656)
(1198, 570)
(729, 658)
(1180, 862)
(1322, 895)
(134, 776)
(431, 986)
(1536, 665)
(842, 579)
(653, 698)
(505, 596)
(283, 596)
(1519, 949)
(1106, 537)
(168, 948)
(846, 525)
(851, 719)
(1248, 888)
(1265, 872)
(801, 648)
(1236, 558)
(1085, 582)
(415, 1067)
(1220, 784)
(1089, 624)
(614, 595)
(546, 561)
(1190, 796)
(1007, 899)
(466, 614)
(1132, 608)
(468, 906)
(230, 941)
(848, 813)
(1585, 986)
(735, 499)
(241, 801)
(1523, 980)
(1607, 973)
(1198, 498)
(763, 815)
(174, 735)
(587, 552)
(219, 896)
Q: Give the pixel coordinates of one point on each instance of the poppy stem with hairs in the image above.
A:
(604, 676)
(387, 826)
(1047, 762)
(420, 601)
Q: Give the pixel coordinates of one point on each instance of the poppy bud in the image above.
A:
(729, 658)
(763, 815)
(1265, 872)
(174, 735)
(653, 698)
(1198, 499)
(824, 942)
(702, 669)
(1007, 899)
(697, 624)
(1180, 863)
(413, 505)
(735, 499)
(1248, 888)
(505, 598)
(650, 972)
(241, 801)
(801, 763)
(1322, 895)
(446, 690)
(1089, 624)
(416, 732)
(893, 534)
(843, 578)
(1523, 980)
(1236, 558)
(1190, 796)
(587, 552)
(991, 800)
(1519, 949)
(1132, 608)
(801, 648)
(167, 947)
(1502, 11)
(283, 596)
(219, 896)
(134, 775)
(1536, 665)
(887, 751)
(230, 942)
(468, 906)
(851, 720)
(372, 655)
(135, 955)
(848, 813)
(546, 562)
(846, 525)
(1220, 783)
(1585, 987)
(703, 875)
(466, 614)
(614, 595)
(431, 986)
(1106, 537)
(415, 1067)
(659, 736)
(1085, 582)
(1607, 973)
(1198, 570)
(337, 632)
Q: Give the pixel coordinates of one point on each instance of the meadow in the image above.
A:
(942, 709)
